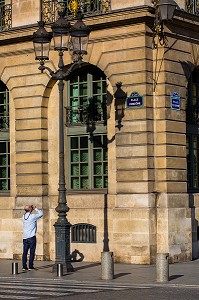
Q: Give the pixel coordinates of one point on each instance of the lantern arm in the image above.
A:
(72, 67)
(42, 68)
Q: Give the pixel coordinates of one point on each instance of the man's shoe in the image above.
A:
(24, 269)
(31, 268)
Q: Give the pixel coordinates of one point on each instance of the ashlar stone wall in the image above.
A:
(147, 202)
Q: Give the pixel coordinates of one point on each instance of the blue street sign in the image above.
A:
(134, 101)
(175, 101)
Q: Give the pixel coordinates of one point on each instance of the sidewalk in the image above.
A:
(186, 273)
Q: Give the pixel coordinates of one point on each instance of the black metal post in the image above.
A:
(62, 226)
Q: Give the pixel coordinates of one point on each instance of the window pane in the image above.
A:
(74, 143)
(3, 161)
(84, 142)
(106, 168)
(84, 169)
(84, 156)
(98, 182)
(84, 183)
(75, 183)
(97, 87)
(3, 173)
(97, 141)
(83, 89)
(75, 169)
(3, 185)
(83, 101)
(2, 147)
(74, 90)
(74, 156)
(97, 169)
(97, 155)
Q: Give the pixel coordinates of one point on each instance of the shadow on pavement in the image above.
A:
(86, 266)
(172, 277)
(44, 267)
(120, 275)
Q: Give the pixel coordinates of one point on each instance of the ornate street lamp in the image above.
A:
(41, 42)
(166, 9)
(164, 12)
(61, 31)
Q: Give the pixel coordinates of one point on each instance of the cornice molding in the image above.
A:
(113, 19)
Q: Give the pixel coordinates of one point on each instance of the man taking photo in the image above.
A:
(29, 234)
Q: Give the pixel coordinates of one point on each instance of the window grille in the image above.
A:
(5, 15)
(49, 10)
(83, 233)
(192, 119)
(192, 6)
(4, 139)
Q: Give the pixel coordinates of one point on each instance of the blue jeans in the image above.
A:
(29, 243)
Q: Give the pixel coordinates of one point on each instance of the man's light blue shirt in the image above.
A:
(30, 223)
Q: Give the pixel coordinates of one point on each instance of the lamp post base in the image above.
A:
(62, 244)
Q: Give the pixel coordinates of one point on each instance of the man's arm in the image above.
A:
(39, 213)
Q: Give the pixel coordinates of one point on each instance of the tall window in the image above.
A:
(87, 139)
(192, 116)
(4, 139)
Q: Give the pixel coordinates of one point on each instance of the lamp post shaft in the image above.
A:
(62, 186)
(62, 226)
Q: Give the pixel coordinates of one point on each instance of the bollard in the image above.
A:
(162, 267)
(59, 270)
(107, 265)
(14, 268)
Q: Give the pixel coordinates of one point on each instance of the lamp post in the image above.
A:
(78, 33)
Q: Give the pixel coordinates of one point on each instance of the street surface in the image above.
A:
(57, 289)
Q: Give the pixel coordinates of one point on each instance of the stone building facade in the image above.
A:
(133, 179)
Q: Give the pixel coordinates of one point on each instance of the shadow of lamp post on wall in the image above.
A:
(79, 34)
(164, 12)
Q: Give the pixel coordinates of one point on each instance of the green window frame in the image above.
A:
(192, 162)
(4, 139)
(87, 148)
(192, 130)
(88, 162)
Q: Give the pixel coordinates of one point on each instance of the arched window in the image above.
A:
(192, 119)
(86, 122)
(4, 139)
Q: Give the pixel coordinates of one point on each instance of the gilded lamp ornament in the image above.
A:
(74, 6)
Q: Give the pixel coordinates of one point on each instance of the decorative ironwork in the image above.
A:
(74, 6)
(4, 122)
(5, 16)
(192, 113)
(83, 233)
(192, 7)
(50, 8)
(86, 114)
